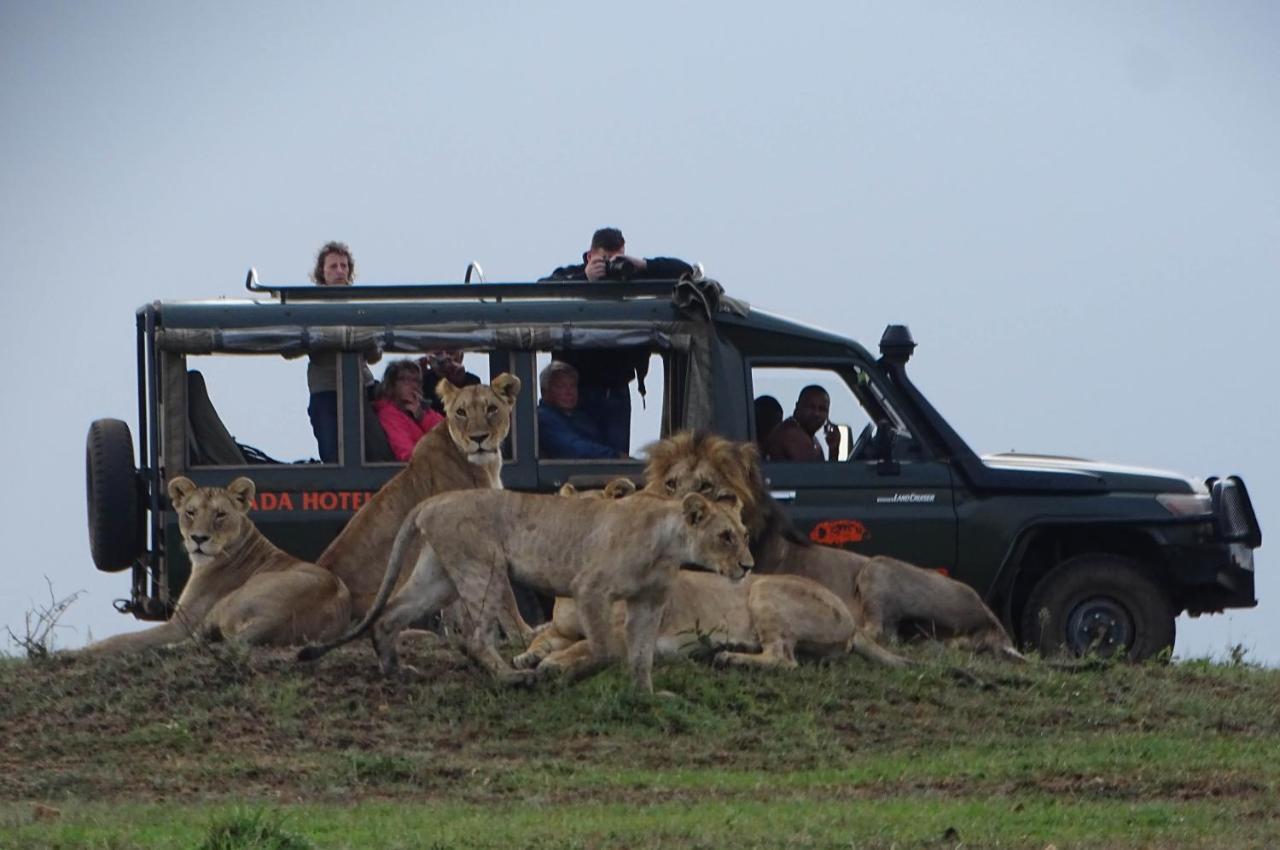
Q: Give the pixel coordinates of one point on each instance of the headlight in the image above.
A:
(1186, 504)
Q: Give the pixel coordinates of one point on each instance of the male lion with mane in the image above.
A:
(467, 546)
(242, 587)
(464, 452)
(887, 597)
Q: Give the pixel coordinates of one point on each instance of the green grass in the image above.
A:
(182, 749)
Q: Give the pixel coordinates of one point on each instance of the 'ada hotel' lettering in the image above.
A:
(312, 500)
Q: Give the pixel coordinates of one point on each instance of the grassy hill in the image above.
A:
(212, 746)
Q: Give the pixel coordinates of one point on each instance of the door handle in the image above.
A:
(783, 495)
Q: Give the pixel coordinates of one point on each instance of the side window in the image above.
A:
(825, 412)
(244, 409)
(587, 412)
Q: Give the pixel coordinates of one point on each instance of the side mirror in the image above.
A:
(846, 442)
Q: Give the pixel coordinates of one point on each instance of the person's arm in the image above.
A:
(564, 273)
(832, 435)
(663, 268)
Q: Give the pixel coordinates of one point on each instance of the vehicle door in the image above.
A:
(883, 494)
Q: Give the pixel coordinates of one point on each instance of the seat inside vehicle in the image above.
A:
(209, 443)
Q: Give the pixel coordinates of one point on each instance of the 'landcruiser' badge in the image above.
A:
(909, 498)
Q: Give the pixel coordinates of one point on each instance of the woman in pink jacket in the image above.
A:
(400, 409)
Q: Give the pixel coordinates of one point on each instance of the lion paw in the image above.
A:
(519, 678)
(526, 661)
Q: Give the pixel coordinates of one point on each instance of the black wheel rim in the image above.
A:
(1100, 625)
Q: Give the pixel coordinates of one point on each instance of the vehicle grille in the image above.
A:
(1233, 511)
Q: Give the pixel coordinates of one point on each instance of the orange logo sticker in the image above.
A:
(837, 532)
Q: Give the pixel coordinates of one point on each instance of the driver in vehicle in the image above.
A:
(796, 438)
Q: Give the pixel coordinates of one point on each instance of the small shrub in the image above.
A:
(41, 624)
(252, 830)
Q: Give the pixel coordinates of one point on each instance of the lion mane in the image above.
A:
(886, 596)
(706, 463)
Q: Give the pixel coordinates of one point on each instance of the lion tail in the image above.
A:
(861, 645)
(405, 538)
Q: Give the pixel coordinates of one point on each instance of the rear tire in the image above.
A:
(115, 508)
(1101, 604)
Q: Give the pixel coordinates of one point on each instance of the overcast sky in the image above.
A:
(1075, 207)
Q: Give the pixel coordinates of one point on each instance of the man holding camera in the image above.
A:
(607, 260)
(604, 377)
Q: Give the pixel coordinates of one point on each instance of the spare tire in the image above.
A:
(115, 508)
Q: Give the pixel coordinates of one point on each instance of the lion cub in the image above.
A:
(467, 545)
(242, 586)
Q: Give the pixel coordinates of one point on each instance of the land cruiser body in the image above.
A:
(1069, 553)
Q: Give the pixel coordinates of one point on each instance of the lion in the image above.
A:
(465, 452)
(896, 594)
(895, 599)
(467, 545)
(242, 586)
(762, 621)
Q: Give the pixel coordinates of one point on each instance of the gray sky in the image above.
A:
(1076, 207)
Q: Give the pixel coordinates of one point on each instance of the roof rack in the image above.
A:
(610, 290)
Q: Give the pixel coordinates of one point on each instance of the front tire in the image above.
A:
(111, 484)
(1101, 604)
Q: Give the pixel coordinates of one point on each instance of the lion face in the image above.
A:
(716, 468)
(212, 519)
(719, 538)
(479, 417)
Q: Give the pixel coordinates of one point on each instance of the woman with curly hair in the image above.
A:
(335, 266)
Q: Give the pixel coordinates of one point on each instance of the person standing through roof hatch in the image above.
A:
(335, 266)
(604, 376)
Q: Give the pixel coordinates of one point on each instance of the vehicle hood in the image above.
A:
(1111, 476)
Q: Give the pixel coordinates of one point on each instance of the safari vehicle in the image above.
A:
(1069, 553)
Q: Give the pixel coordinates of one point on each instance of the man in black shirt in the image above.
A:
(607, 259)
(604, 377)
(443, 363)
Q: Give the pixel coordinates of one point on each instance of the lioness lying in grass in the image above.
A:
(467, 545)
(762, 621)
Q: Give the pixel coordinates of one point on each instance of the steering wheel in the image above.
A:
(860, 445)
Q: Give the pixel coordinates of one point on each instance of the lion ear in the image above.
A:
(619, 488)
(445, 390)
(568, 490)
(179, 489)
(242, 490)
(507, 386)
(696, 509)
(748, 455)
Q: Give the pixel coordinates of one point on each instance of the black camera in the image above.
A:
(619, 268)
